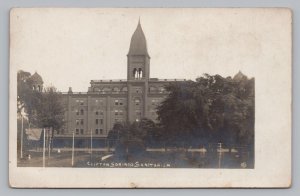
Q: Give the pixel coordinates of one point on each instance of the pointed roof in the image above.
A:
(36, 78)
(138, 43)
(239, 76)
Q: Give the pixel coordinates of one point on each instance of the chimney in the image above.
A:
(70, 90)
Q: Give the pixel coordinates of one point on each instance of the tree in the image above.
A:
(211, 109)
(132, 137)
(183, 114)
(27, 98)
(50, 110)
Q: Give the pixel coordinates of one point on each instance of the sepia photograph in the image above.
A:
(147, 90)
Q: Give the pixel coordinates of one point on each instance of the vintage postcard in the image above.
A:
(150, 97)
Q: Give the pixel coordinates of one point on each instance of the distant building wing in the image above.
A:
(33, 133)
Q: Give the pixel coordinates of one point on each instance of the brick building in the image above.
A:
(109, 101)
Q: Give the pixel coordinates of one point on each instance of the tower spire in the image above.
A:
(138, 43)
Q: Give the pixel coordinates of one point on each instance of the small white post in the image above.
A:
(44, 145)
(220, 154)
(73, 150)
(22, 127)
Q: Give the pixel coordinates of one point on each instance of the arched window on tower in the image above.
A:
(134, 73)
(140, 73)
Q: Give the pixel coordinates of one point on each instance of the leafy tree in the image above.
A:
(132, 137)
(27, 98)
(211, 109)
(50, 110)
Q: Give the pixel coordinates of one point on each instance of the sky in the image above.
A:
(70, 47)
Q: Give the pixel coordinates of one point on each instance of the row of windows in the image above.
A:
(117, 102)
(116, 89)
(81, 121)
(108, 89)
(120, 103)
(100, 121)
(81, 102)
(81, 131)
(99, 112)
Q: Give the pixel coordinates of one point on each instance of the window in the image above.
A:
(153, 112)
(161, 89)
(81, 121)
(138, 112)
(99, 101)
(134, 73)
(77, 121)
(116, 112)
(116, 89)
(99, 112)
(121, 112)
(81, 112)
(77, 112)
(77, 131)
(116, 102)
(101, 131)
(140, 73)
(118, 120)
(57, 132)
(81, 102)
(121, 103)
(137, 102)
(99, 121)
(81, 131)
(96, 131)
(138, 90)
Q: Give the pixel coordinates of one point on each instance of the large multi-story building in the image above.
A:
(109, 101)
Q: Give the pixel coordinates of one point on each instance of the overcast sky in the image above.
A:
(70, 47)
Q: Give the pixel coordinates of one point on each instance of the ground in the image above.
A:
(173, 159)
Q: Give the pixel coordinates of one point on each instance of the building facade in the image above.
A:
(109, 101)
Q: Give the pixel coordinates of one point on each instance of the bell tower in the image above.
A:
(138, 59)
(138, 74)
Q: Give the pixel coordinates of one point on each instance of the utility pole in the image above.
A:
(44, 145)
(22, 127)
(91, 143)
(73, 150)
(49, 142)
